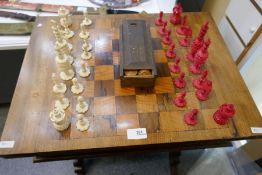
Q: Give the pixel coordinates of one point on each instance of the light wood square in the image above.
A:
(127, 121)
(105, 72)
(104, 106)
(164, 85)
(146, 103)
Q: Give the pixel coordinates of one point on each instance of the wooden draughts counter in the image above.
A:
(114, 109)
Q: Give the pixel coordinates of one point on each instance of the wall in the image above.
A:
(216, 8)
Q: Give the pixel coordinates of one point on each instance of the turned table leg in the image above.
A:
(174, 161)
(79, 167)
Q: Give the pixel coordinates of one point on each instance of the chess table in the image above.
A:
(112, 109)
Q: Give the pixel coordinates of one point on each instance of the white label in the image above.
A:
(138, 133)
(256, 130)
(7, 144)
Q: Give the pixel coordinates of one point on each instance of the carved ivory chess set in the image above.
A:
(136, 70)
(65, 63)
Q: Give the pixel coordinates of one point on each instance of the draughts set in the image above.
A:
(93, 100)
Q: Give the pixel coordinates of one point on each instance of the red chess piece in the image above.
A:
(159, 21)
(167, 40)
(197, 43)
(202, 54)
(198, 83)
(182, 30)
(176, 68)
(191, 117)
(163, 30)
(203, 93)
(185, 42)
(170, 53)
(180, 81)
(195, 68)
(222, 115)
(180, 100)
(176, 16)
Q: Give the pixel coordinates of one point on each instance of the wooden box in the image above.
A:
(137, 66)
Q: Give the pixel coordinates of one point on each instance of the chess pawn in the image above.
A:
(159, 21)
(67, 32)
(86, 21)
(224, 113)
(86, 55)
(83, 34)
(86, 46)
(82, 123)
(198, 83)
(59, 119)
(62, 101)
(202, 54)
(84, 71)
(203, 93)
(76, 88)
(61, 57)
(63, 12)
(195, 68)
(67, 72)
(58, 87)
(163, 30)
(180, 100)
(167, 39)
(81, 106)
(176, 16)
(180, 81)
(67, 53)
(191, 117)
(176, 68)
(170, 53)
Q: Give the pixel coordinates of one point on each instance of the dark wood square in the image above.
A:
(116, 72)
(105, 126)
(162, 70)
(146, 103)
(126, 104)
(104, 58)
(126, 121)
(144, 91)
(104, 88)
(150, 121)
(164, 85)
(104, 72)
(156, 44)
(115, 45)
(104, 106)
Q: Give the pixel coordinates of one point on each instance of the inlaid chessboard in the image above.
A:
(114, 109)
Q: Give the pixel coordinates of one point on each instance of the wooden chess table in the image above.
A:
(113, 109)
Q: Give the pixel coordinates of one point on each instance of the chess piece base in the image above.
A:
(184, 42)
(180, 83)
(170, 54)
(87, 47)
(202, 95)
(61, 88)
(67, 76)
(190, 120)
(179, 103)
(84, 35)
(83, 109)
(86, 22)
(175, 69)
(78, 90)
(65, 104)
(84, 74)
(82, 127)
(86, 55)
(219, 119)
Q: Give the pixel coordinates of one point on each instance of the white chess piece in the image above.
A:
(86, 55)
(83, 34)
(62, 54)
(82, 123)
(67, 72)
(81, 106)
(64, 13)
(84, 71)
(86, 46)
(62, 101)
(76, 88)
(67, 33)
(58, 87)
(59, 119)
(86, 20)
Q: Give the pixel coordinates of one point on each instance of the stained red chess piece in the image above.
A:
(198, 83)
(185, 28)
(203, 93)
(224, 113)
(163, 30)
(176, 68)
(197, 43)
(167, 39)
(195, 68)
(176, 16)
(170, 53)
(159, 21)
(191, 117)
(180, 81)
(180, 100)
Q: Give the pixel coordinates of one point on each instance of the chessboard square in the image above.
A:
(115, 45)
(150, 121)
(104, 106)
(103, 44)
(103, 58)
(164, 85)
(211, 102)
(119, 91)
(126, 121)
(104, 72)
(76, 134)
(192, 101)
(156, 44)
(162, 70)
(165, 102)
(103, 23)
(209, 120)
(160, 56)
(146, 103)
(172, 121)
(144, 90)
(105, 126)
(116, 58)
(154, 33)
(116, 33)
(126, 104)
(116, 72)
(104, 88)
(89, 88)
